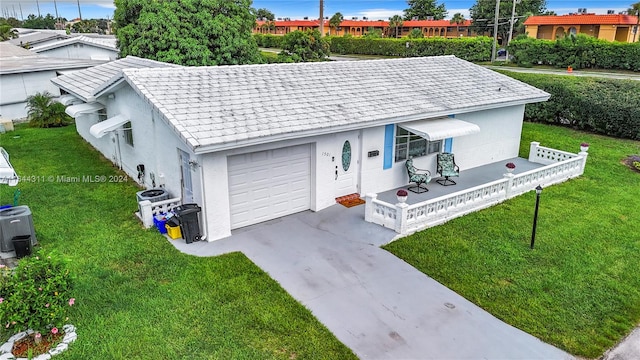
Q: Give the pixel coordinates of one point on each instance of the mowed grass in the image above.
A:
(137, 296)
(579, 287)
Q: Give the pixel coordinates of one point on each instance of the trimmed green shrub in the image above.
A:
(605, 106)
(269, 41)
(580, 52)
(471, 49)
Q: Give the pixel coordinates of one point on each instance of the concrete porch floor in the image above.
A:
(468, 178)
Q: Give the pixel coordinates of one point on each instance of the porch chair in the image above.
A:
(417, 176)
(447, 168)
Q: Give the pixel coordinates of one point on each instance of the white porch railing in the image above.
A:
(405, 219)
(150, 209)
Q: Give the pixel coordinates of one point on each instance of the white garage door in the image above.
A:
(265, 185)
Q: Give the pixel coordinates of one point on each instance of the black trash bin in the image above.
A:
(22, 245)
(187, 214)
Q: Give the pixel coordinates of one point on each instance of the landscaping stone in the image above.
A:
(69, 337)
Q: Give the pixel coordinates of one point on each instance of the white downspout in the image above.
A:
(204, 205)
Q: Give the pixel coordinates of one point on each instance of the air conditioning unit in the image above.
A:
(354, 18)
(365, 18)
(430, 18)
(153, 195)
(611, 12)
(415, 18)
(15, 221)
(305, 18)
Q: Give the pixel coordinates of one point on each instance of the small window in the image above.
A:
(102, 115)
(410, 145)
(128, 133)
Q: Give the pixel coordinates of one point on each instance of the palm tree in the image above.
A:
(38, 106)
(335, 22)
(635, 10)
(6, 33)
(395, 22)
(458, 19)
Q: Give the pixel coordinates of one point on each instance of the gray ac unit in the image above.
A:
(153, 195)
(15, 221)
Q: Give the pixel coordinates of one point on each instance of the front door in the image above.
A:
(346, 162)
(185, 168)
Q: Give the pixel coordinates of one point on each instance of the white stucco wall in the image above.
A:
(15, 88)
(81, 51)
(155, 146)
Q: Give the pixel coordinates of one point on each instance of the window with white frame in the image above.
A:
(102, 115)
(128, 133)
(410, 145)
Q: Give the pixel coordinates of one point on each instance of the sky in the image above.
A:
(295, 9)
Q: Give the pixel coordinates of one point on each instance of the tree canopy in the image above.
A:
(483, 13)
(395, 22)
(39, 22)
(303, 46)
(187, 32)
(264, 14)
(424, 9)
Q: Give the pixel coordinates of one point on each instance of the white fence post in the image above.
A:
(146, 213)
(533, 151)
(368, 206)
(401, 218)
(584, 155)
(509, 177)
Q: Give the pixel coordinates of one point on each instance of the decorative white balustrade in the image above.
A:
(405, 219)
(150, 209)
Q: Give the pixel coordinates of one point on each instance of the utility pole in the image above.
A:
(495, 32)
(21, 15)
(513, 15)
(321, 18)
(57, 17)
(79, 12)
(38, 5)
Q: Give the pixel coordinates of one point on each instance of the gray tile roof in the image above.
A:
(231, 106)
(86, 83)
(104, 43)
(15, 60)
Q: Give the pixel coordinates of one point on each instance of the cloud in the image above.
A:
(377, 14)
(465, 12)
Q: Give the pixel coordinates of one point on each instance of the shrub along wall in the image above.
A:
(269, 41)
(605, 106)
(579, 52)
(471, 49)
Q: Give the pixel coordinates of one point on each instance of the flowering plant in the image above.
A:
(402, 192)
(36, 294)
(584, 144)
(511, 165)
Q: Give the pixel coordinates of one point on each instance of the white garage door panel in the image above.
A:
(265, 185)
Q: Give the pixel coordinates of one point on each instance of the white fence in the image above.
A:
(559, 166)
(150, 209)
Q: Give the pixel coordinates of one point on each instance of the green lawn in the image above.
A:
(579, 288)
(138, 297)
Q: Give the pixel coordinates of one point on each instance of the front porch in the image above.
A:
(476, 189)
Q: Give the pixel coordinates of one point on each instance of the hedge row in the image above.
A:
(605, 106)
(269, 41)
(471, 49)
(579, 52)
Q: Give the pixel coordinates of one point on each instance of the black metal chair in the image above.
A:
(447, 168)
(417, 176)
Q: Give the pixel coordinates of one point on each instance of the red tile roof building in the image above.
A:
(429, 28)
(612, 27)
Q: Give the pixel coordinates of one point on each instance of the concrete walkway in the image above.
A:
(376, 304)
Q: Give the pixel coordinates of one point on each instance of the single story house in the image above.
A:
(81, 47)
(23, 73)
(256, 142)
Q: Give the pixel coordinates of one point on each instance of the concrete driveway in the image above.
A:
(375, 303)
